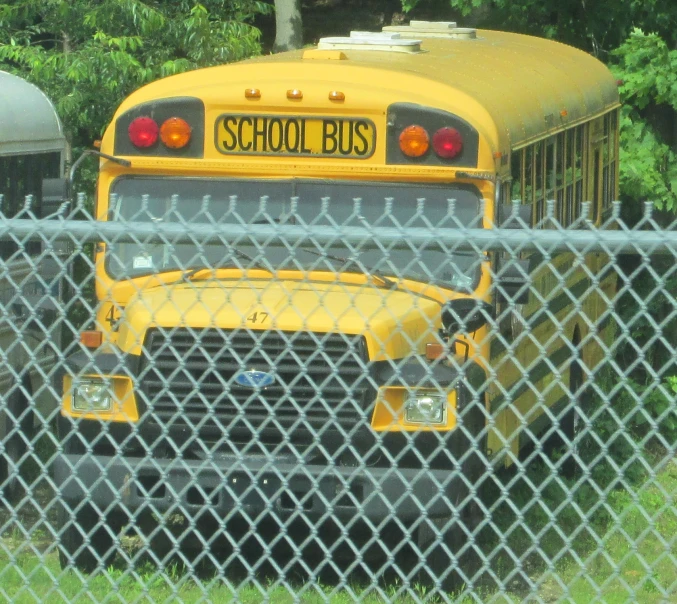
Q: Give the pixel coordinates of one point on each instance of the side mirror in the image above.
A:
(54, 194)
(513, 282)
(466, 314)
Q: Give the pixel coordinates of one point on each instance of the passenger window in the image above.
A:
(539, 182)
(516, 171)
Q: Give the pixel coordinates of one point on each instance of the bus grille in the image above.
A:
(188, 378)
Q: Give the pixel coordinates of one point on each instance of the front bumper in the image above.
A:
(228, 486)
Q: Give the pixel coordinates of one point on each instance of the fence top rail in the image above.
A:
(475, 239)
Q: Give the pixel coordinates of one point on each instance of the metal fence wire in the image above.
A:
(309, 400)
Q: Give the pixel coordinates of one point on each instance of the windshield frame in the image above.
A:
(470, 192)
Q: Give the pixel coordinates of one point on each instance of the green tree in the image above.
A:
(599, 26)
(87, 55)
(647, 70)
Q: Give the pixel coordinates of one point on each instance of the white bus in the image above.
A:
(32, 149)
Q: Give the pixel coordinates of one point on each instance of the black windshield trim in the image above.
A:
(467, 208)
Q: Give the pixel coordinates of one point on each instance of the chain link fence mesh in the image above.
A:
(290, 404)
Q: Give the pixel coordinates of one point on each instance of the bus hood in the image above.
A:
(390, 319)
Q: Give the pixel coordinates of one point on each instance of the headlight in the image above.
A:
(426, 408)
(92, 394)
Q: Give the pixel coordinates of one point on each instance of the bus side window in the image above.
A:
(517, 173)
(606, 159)
(539, 182)
(569, 176)
(550, 174)
(528, 172)
(560, 155)
(20, 176)
(11, 185)
(609, 161)
(613, 154)
(578, 173)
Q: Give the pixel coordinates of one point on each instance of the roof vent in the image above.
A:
(433, 25)
(369, 40)
(432, 29)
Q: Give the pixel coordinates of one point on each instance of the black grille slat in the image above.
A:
(307, 366)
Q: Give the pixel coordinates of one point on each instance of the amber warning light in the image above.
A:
(414, 141)
(91, 339)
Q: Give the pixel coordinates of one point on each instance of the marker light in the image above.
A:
(414, 141)
(447, 143)
(143, 132)
(175, 133)
(434, 350)
(337, 95)
(91, 339)
(252, 93)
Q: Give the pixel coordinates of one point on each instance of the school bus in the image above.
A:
(32, 152)
(242, 382)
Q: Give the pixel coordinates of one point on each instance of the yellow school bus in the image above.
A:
(336, 385)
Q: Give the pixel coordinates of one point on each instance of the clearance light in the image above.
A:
(447, 143)
(175, 133)
(337, 95)
(414, 141)
(252, 93)
(91, 339)
(434, 350)
(294, 94)
(143, 132)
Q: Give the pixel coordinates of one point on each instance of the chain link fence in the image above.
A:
(303, 401)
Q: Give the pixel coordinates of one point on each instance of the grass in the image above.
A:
(32, 578)
(635, 559)
(593, 547)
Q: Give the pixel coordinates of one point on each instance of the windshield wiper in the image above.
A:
(370, 274)
(190, 274)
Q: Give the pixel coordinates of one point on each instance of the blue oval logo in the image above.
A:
(254, 379)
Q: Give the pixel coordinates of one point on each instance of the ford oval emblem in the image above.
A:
(254, 379)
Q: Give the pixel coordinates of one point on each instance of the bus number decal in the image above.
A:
(113, 317)
(304, 136)
(258, 317)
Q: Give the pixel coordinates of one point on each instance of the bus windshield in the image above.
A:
(301, 202)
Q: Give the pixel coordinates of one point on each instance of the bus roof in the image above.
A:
(528, 85)
(28, 121)
(514, 88)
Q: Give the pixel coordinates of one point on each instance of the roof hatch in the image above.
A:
(368, 40)
(432, 29)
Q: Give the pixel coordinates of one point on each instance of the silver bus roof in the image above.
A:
(28, 121)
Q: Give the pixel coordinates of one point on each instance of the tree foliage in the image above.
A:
(87, 55)
(599, 25)
(647, 69)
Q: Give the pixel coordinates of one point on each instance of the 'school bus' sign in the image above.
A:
(298, 135)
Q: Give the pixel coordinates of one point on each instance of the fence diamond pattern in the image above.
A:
(287, 405)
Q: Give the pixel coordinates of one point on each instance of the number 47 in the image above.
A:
(257, 317)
